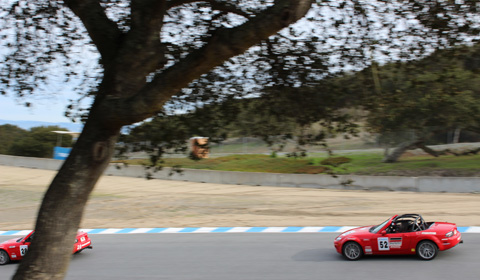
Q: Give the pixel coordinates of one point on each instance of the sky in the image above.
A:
(46, 109)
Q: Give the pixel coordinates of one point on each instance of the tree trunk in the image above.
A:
(456, 135)
(428, 150)
(400, 150)
(62, 207)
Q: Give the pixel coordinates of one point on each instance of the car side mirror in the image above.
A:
(383, 232)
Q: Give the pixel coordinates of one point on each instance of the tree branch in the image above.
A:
(104, 32)
(223, 44)
(223, 6)
(141, 51)
(147, 14)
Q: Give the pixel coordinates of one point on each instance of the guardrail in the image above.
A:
(319, 181)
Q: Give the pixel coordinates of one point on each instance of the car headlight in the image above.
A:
(338, 238)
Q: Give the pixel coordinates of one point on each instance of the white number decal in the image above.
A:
(383, 244)
(23, 250)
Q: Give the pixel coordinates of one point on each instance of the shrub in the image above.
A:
(335, 161)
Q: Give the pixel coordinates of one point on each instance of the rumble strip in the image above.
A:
(475, 229)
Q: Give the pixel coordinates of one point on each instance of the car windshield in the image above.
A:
(375, 229)
(30, 238)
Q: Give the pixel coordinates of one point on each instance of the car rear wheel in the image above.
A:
(352, 251)
(427, 250)
(4, 259)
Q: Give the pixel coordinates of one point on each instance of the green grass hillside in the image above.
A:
(355, 163)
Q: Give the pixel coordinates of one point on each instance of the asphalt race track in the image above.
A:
(253, 256)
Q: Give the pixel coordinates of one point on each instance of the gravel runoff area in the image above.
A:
(123, 202)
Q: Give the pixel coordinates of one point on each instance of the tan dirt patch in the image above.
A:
(119, 202)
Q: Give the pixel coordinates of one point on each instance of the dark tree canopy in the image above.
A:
(411, 102)
(9, 135)
(334, 36)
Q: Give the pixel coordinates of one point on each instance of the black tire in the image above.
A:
(352, 251)
(427, 250)
(4, 259)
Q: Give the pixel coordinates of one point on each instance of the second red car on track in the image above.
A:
(15, 249)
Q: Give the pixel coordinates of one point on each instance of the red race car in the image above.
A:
(15, 249)
(406, 234)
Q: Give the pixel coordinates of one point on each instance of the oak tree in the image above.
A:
(423, 98)
(140, 69)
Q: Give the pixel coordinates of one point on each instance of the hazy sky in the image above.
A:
(45, 109)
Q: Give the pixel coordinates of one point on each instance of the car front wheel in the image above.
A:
(352, 251)
(427, 250)
(4, 259)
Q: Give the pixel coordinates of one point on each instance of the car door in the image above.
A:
(389, 242)
(409, 241)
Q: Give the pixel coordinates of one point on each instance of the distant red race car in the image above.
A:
(406, 234)
(15, 249)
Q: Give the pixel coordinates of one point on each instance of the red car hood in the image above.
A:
(356, 231)
(10, 242)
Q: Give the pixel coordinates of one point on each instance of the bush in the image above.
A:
(38, 142)
(335, 161)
